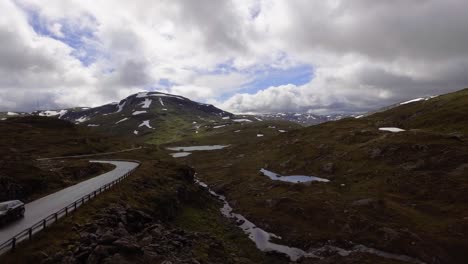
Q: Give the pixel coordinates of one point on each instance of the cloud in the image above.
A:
(244, 55)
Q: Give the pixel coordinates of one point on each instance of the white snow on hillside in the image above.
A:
(412, 101)
(259, 135)
(161, 101)
(282, 131)
(120, 121)
(146, 103)
(48, 113)
(138, 112)
(142, 94)
(82, 119)
(391, 129)
(242, 120)
(145, 123)
(12, 114)
(135, 132)
(219, 126)
(93, 125)
(226, 117)
(120, 107)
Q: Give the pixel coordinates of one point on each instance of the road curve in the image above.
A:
(45, 206)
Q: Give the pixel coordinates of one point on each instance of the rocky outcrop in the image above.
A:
(126, 235)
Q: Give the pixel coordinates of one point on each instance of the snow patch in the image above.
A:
(242, 120)
(282, 131)
(82, 119)
(161, 101)
(391, 129)
(145, 123)
(194, 148)
(412, 101)
(120, 121)
(93, 125)
(259, 135)
(120, 107)
(138, 112)
(292, 178)
(146, 103)
(12, 114)
(219, 126)
(135, 132)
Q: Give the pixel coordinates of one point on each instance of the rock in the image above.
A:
(375, 153)
(116, 259)
(328, 167)
(107, 238)
(125, 245)
(146, 241)
(364, 202)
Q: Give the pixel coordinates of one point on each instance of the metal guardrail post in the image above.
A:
(66, 211)
(44, 223)
(13, 243)
(30, 233)
(56, 217)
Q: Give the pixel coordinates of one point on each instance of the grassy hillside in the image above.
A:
(24, 139)
(401, 192)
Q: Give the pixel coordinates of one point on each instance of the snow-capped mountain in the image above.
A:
(143, 114)
(305, 119)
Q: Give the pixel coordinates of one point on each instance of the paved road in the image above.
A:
(91, 155)
(45, 206)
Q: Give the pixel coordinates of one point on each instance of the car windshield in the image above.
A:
(3, 206)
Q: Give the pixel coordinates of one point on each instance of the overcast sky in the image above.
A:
(242, 55)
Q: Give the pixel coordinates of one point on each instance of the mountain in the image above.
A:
(147, 116)
(304, 119)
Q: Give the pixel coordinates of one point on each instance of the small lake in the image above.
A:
(292, 178)
(180, 154)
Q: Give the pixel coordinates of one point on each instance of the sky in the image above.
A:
(244, 56)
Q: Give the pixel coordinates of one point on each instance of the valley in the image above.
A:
(388, 187)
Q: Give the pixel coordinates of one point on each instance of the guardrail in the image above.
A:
(41, 225)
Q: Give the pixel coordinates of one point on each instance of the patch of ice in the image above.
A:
(120, 121)
(145, 123)
(391, 129)
(292, 178)
(197, 148)
(180, 154)
(138, 112)
(146, 103)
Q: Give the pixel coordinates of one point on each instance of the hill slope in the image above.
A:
(399, 192)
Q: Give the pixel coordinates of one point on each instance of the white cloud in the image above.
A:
(365, 53)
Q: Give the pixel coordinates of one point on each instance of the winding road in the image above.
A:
(45, 206)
